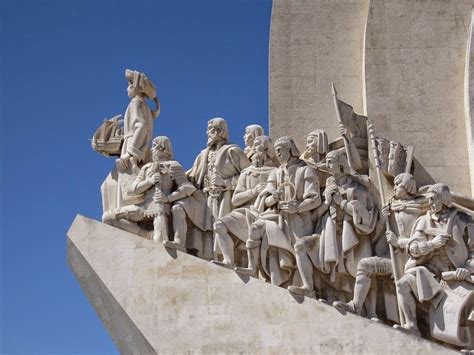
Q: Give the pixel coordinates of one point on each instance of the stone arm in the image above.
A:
(418, 245)
(271, 189)
(141, 184)
(178, 175)
(242, 195)
(137, 109)
(240, 161)
(311, 196)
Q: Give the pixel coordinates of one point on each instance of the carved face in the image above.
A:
(212, 135)
(131, 90)
(436, 204)
(333, 165)
(283, 153)
(159, 151)
(400, 191)
(311, 144)
(248, 137)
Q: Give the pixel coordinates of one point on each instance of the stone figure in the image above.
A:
(137, 129)
(440, 248)
(317, 146)
(215, 173)
(160, 184)
(232, 229)
(402, 210)
(251, 132)
(342, 236)
(292, 192)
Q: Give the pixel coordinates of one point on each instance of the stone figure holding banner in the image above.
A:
(402, 210)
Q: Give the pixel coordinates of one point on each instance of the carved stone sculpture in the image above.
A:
(137, 129)
(287, 202)
(251, 132)
(161, 183)
(232, 229)
(342, 236)
(402, 210)
(441, 251)
(215, 172)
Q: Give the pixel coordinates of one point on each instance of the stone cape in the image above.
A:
(154, 301)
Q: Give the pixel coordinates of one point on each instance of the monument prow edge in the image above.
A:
(153, 300)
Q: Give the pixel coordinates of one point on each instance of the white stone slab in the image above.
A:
(155, 301)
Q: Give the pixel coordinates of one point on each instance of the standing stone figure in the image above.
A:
(251, 132)
(232, 229)
(161, 183)
(439, 248)
(402, 210)
(342, 236)
(138, 129)
(291, 194)
(215, 172)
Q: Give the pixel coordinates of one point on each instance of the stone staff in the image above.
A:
(396, 276)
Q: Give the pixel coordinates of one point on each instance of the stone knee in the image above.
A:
(219, 227)
(178, 212)
(255, 235)
(403, 285)
(365, 267)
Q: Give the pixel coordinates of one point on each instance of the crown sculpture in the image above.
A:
(312, 222)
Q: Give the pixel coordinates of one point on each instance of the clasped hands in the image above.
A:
(332, 193)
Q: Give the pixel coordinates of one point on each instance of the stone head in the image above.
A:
(252, 132)
(317, 142)
(264, 151)
(217, 131)
(139, 84)
(285, 148)
(336, 162)
(161, 149)
(439, 197)
(404, 186)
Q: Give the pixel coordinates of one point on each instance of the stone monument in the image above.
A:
(357, 244)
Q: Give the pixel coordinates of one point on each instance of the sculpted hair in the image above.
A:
(266, 141)
(407, 181)
(285, 140)
(341, 157)
(442, 190)
(255, 130)
(222, 125)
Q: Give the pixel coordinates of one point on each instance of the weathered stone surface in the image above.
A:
(155, 301)
(405, 64)
(314, 44)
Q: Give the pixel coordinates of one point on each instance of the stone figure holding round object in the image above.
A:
(441, 251)
(251, 132)
(403, 209)
(138, 129)
(292, 193)
(215, 173)
(232, 229)
(161, 183)
(342, 236)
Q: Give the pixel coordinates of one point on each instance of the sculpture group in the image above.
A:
(313, 222)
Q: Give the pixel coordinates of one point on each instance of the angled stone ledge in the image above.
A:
(154, 301)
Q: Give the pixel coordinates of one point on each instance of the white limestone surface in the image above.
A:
(157, 301)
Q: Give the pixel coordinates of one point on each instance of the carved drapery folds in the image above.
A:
(311, 221)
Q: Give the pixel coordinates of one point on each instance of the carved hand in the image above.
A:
(440, 240)
(217, 180)
(385, 211)
(124, 161)
(155, 179)
(342, 129)
(392, 239)
(290, 208)
(461, 274)
(257, 189)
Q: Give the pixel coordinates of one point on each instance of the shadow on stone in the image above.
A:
(298, 298)
(244, 278)
(172, 252)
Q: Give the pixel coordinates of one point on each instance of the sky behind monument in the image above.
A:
(62, 73)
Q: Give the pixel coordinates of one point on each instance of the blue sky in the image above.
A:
(62, 72)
